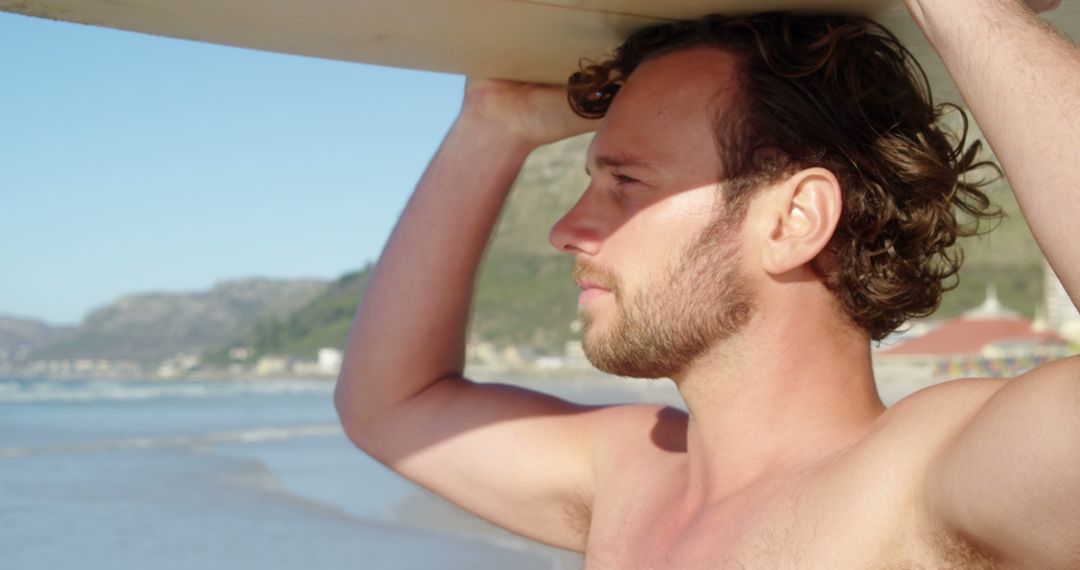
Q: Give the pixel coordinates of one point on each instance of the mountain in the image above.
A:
(19, 336)
(322, 322)
(525, 296)
(148, 327)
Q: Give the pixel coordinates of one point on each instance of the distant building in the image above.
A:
(482, 353)
(517, 356)
(549, 363)
(272, 365)
(81, 368)
(329, 361)
(987, 341)
(241, 353)
(1061, 313)
(178, 365)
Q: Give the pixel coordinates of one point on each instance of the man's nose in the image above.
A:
(579, 230)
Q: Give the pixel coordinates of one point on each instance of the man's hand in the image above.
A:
(1042, 5)
(538, 114)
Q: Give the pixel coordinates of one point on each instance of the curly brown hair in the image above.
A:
(839, 92)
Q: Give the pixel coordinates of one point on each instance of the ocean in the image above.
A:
(108, 474)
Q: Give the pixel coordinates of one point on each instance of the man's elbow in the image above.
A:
(357, 420)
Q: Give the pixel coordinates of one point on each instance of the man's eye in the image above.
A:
(623, 179)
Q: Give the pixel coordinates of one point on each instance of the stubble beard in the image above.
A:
(700, 300)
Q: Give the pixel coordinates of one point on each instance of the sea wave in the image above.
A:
(35, 391)
(254, 435)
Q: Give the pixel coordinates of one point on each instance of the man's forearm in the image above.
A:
(1021, 81)
(410, 326)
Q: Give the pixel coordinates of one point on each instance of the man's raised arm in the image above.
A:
(1010, 480)
(518, 458)
(1021, 80)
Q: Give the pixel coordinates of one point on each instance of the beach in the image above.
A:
(222, 474)
(233, 473)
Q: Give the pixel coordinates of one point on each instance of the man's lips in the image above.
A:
(590, 290)
(586, 284)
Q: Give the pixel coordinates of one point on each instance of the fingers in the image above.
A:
(1043, 5)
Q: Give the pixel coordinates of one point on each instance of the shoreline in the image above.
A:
(568, 384)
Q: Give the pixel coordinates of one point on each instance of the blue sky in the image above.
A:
(132, 163)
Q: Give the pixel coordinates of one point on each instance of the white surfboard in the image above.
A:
(528, 40)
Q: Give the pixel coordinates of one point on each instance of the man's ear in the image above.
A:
(802, 214)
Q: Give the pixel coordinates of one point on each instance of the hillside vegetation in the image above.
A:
(148, 327)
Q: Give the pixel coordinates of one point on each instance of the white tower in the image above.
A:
(1061, 314)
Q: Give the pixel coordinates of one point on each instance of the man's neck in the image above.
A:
(776, 399)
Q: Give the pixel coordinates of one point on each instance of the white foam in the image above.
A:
(108, 390)
(254, 435)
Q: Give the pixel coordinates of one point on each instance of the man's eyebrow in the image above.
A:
(620, 160)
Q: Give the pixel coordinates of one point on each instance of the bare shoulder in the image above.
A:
(630, 430)
(905, 439)
(979, 463)
(932, 415)
(940, 408)
(1008, 478)
(637, 446)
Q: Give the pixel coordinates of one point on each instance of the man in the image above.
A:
(731, 271)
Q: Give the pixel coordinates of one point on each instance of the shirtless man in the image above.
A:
(729, 286)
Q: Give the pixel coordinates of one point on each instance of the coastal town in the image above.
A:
(988, 340)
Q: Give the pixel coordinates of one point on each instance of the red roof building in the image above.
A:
(969, 337)
(989, 340)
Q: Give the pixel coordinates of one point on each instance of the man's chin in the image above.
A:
(623, 370)
(610, 360)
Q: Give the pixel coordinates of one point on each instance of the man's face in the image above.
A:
(651, 228)
(697, 300)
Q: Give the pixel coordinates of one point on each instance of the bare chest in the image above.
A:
(805, 531)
